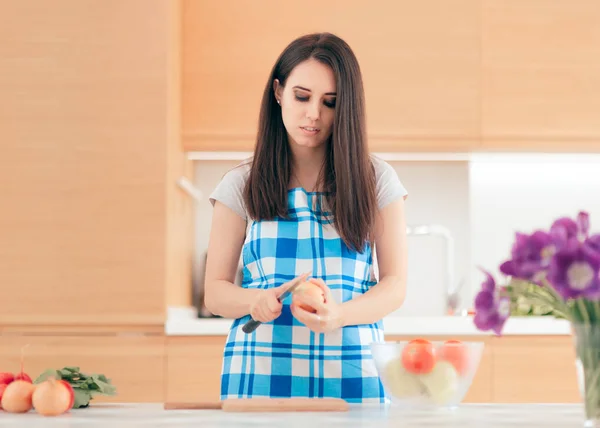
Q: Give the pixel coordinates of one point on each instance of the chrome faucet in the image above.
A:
(452, 288)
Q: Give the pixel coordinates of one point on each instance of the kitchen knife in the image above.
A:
(251, 324)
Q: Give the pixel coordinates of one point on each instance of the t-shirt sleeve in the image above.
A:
(230, 190)
(389, 186)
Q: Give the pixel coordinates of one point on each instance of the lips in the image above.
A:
(310, 128)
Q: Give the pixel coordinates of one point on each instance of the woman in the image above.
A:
(310, 201)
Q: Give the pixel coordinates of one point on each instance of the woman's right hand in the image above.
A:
(266, 306)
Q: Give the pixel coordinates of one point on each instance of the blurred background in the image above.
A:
(118, 118)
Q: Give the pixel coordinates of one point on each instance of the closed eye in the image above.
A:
(330, 104)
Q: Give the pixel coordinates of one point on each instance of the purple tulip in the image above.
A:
(491, 309)
(574, 271)
(484, 300)
(531, 255)
(564, 229)
(583, 224)
(592, 247)
(489, 284)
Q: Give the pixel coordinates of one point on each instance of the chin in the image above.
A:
(303, 141)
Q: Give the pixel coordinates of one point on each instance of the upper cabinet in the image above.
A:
(420, 62)
(88, 115)
(541, 75)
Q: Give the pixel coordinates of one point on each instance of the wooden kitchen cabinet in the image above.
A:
(534, 369)
(134, 363)
(91, 230)
(540, 75)
(193, 368)
(421, 69)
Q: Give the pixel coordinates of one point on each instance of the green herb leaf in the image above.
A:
(106, 388)
(82, 398)
(50, 373)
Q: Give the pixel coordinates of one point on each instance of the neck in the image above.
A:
(307, 163)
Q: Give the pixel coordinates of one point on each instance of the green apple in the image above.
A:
(441, 383)
(401, 383)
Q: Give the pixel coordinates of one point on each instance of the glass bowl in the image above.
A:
(424, 373)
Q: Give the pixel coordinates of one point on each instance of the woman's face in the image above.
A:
(308, 103)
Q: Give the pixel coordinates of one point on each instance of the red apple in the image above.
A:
(6, 378)
(23, 376)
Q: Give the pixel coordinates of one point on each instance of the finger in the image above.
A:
(272, 304)
(312, 301)
(254, 313)
(312, 321)
(258, 316)
(264, 313)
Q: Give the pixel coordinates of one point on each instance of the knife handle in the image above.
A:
(250, 326)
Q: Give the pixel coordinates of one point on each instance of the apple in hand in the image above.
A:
(310, 290)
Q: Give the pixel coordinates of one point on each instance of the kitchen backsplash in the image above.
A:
(510, 193)
(481, 202)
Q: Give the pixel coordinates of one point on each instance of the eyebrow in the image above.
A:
(308, 90)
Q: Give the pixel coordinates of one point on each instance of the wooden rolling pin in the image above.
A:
(266, 405)
(203, 405)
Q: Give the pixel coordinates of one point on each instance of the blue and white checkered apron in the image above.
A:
(283, 358)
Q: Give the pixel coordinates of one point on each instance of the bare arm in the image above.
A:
(222, 296)
(389, 293)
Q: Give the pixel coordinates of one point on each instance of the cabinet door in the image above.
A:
(194, 368)
(134, 364)
(420, 63)
(84, 123)
(539, 369)
(541, 75)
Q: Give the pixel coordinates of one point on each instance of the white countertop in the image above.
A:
(153, 415)
(183, 322)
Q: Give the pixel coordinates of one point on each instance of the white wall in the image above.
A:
(524, 193)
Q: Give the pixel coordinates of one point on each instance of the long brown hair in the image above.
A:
(348, 177)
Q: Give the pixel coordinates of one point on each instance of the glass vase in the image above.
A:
(586, 338)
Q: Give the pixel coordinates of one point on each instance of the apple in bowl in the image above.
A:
(420, 372)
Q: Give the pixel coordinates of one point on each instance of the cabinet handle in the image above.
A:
(189, 188)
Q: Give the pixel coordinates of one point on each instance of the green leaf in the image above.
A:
(65, 373)
(50, 373)
(82, 398)
(106, 388)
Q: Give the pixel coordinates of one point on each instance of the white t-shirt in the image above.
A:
(230, 189)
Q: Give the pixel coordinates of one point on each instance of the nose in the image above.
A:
(313, 111)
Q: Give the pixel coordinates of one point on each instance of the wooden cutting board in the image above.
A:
(266, 405)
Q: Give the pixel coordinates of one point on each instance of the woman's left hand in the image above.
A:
(329, 315)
